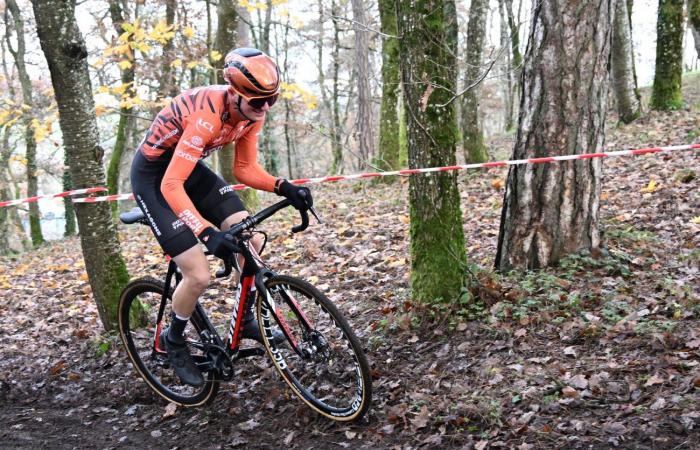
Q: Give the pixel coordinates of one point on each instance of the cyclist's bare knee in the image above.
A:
(194, 268)
(233, 219)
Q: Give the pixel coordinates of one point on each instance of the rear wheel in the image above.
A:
(140, 330)
(321, 360)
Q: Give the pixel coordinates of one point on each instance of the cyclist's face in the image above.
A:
(252, 112)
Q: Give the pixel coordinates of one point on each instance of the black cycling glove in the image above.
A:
(298, 196)
(217, 243)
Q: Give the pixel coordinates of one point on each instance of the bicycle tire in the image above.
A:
(331, 375)
(138, 327)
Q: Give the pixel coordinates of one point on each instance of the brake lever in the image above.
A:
(313, 211)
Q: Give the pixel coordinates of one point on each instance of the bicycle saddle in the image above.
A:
(133, 216)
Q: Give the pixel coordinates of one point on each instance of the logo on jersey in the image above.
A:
(166, 137)
(198, 141)
(177, 224)
(203, 125)
(187, 156)
(225, 190)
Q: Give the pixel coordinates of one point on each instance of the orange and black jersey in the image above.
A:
(196, 123)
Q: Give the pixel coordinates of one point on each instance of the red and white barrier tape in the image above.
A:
(515, 162)
(62, 194)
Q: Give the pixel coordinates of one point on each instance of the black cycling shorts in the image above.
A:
(211, 195)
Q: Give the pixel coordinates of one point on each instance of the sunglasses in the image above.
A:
(258, 103)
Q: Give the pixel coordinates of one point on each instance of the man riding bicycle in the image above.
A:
(185, 201)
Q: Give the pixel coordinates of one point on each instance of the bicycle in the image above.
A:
(321, 359)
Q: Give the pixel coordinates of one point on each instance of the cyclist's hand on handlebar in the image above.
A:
(299, 196)
(217, 242)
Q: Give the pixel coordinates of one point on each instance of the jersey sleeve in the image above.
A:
(198, 130)
(245, 167)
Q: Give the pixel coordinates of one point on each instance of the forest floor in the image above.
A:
(602, 351)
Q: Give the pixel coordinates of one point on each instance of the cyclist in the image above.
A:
(184, 200)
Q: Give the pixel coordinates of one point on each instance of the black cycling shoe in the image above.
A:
(181, 360)
(250, 330)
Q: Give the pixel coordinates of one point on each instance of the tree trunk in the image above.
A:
(66, 54)
(29, 140)
(472, 135)
(622, 61)
(388, 152)
(694, 22)
(666, 92)
(267, 143)
(337, 149)
(551, 210)
(169, 87)
(12, 235)
(227, 38)
(637, 93)
(437, 242)
(363, 129)
(68, 208)
(127, 121)
(288, 139)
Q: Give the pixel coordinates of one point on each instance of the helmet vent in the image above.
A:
(248, 52)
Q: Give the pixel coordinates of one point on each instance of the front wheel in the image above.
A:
(140, 327)
(321, 360)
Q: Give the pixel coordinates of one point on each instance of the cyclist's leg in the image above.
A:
(195, 279)
(180, 243)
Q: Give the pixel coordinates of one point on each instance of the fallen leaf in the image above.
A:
(569, 392)
(658, 404)
(422, 418)
(169, 410)
(654, 379)
(651, 187)
(579, 381)
(481, 445)
(350, 434)
(615, 428)
(58, 368)
(248, 425)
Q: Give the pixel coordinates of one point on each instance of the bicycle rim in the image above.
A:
(322, 360)
(138, 310)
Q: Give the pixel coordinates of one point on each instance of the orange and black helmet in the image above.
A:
(251, 73)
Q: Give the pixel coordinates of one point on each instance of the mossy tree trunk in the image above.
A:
(226, 39)
(551, 210)
(66, 54)
(127, 121)
(388, 151)
(472, 134)
(666, 92)
(622, 66)
(437, 242)
(29, 140)
(12, 236)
